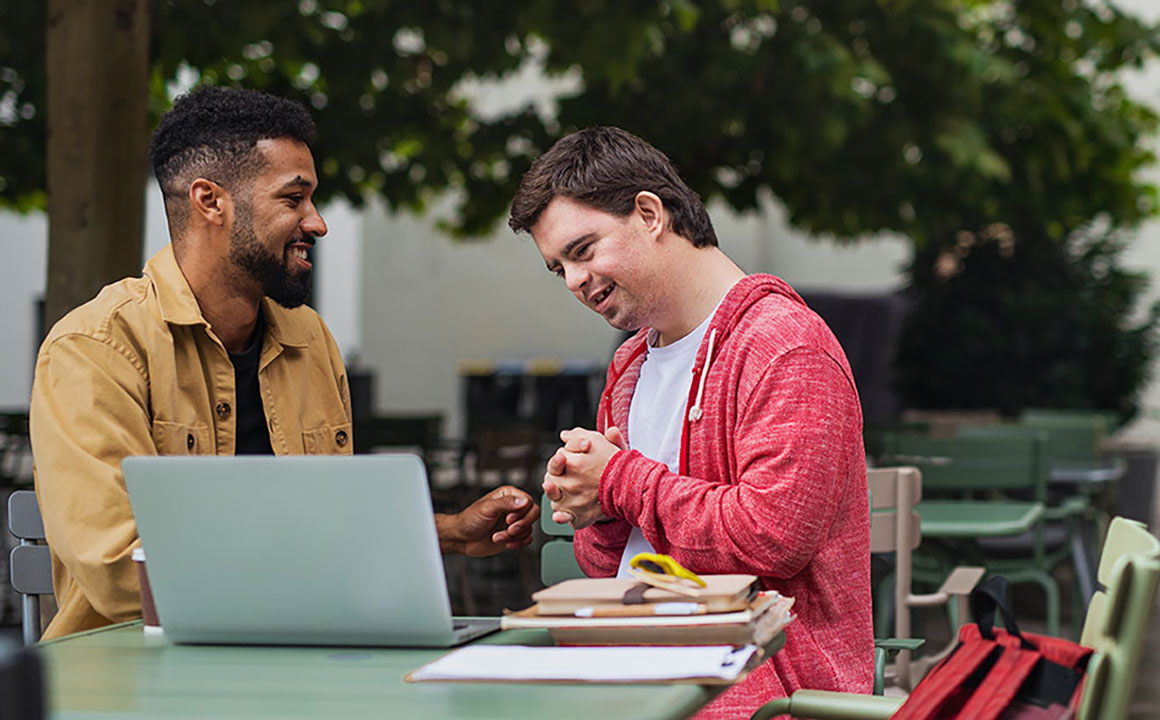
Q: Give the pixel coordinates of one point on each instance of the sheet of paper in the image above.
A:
(588, 664)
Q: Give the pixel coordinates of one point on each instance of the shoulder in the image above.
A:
(117, 317)
(778, 324)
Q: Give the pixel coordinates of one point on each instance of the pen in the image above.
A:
(665, 608)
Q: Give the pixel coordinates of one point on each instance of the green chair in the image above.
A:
(1116, 626)
(557, 559)
(1076, 476)
(976, 482)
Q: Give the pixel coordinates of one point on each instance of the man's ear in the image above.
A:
(652, 212)
(210, 201)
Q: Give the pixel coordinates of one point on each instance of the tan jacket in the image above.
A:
(138, 371)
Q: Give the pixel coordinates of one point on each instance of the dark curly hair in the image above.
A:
(605, 168)
(211, 132)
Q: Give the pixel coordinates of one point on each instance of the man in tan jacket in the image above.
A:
(211, 351)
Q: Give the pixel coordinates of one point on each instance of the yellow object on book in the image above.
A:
(664, 571)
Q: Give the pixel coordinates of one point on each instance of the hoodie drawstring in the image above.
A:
(695, 411)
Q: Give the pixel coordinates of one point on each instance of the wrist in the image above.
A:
(449, 530)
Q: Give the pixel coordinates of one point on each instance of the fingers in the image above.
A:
(577, 444)
(558, 463)
(510, 498)
(614, 436)
(552, 491)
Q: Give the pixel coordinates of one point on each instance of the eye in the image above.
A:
(293, 200)
(583, 251)
(558, 272)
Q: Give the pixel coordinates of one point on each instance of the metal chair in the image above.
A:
(30, 564)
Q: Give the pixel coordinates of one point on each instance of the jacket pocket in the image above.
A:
(329, 440)
(172, 438)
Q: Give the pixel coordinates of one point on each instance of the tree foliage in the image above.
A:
(931, 119)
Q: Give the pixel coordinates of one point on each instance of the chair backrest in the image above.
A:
(557, 559)
(894, 524)
(1116, 623)
(1071, 437)
(983, 458)
(30, 564)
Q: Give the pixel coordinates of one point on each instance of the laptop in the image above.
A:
(294, 550)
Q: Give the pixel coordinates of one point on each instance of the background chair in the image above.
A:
(30, 564)
(1115, 626)
(557, 559)
(985, 486)
(895, 528)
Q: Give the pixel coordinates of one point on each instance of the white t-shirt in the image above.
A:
(657, 413)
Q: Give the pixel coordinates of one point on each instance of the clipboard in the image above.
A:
(485, 663)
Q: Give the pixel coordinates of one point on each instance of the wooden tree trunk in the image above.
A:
(97, 63)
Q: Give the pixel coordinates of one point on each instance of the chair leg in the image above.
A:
(31, 618)
(1051, 593)
(884, 613)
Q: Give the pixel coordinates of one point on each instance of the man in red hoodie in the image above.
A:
(729, 433)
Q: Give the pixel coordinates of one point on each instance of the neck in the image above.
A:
(705, 276)
(228, 300)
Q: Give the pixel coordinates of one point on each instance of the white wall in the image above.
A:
(22, 279)
(1144, 251)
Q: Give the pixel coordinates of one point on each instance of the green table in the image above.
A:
(119, 672)
(977, 518)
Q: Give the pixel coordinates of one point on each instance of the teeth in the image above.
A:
(299, 253)
(603, 294)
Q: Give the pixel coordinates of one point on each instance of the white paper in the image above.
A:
(589, 664)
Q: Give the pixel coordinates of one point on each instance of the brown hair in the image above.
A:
(605, 168)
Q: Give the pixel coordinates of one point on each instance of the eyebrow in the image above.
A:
(568, 250)
(296, 183)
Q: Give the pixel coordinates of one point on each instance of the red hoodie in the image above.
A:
(772, 482)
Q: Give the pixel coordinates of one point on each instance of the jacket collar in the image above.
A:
(179, 305)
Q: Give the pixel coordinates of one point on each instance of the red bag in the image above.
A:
(1000, 675)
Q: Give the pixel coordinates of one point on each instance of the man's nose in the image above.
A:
(313, 224)
(575, 278)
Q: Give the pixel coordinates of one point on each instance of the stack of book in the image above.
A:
(728, 611)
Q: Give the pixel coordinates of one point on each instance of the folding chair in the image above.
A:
(30, 564)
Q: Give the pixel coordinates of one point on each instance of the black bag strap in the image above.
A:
(989, 595)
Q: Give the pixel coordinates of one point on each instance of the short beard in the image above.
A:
(261, 264)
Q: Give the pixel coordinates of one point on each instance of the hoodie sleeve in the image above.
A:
(795, 441)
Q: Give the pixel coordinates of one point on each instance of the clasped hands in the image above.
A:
(572, 480)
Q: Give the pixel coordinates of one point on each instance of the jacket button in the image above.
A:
(340, 437)
(189, 441)
(223, 410)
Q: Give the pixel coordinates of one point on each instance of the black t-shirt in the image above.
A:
(253, 437)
